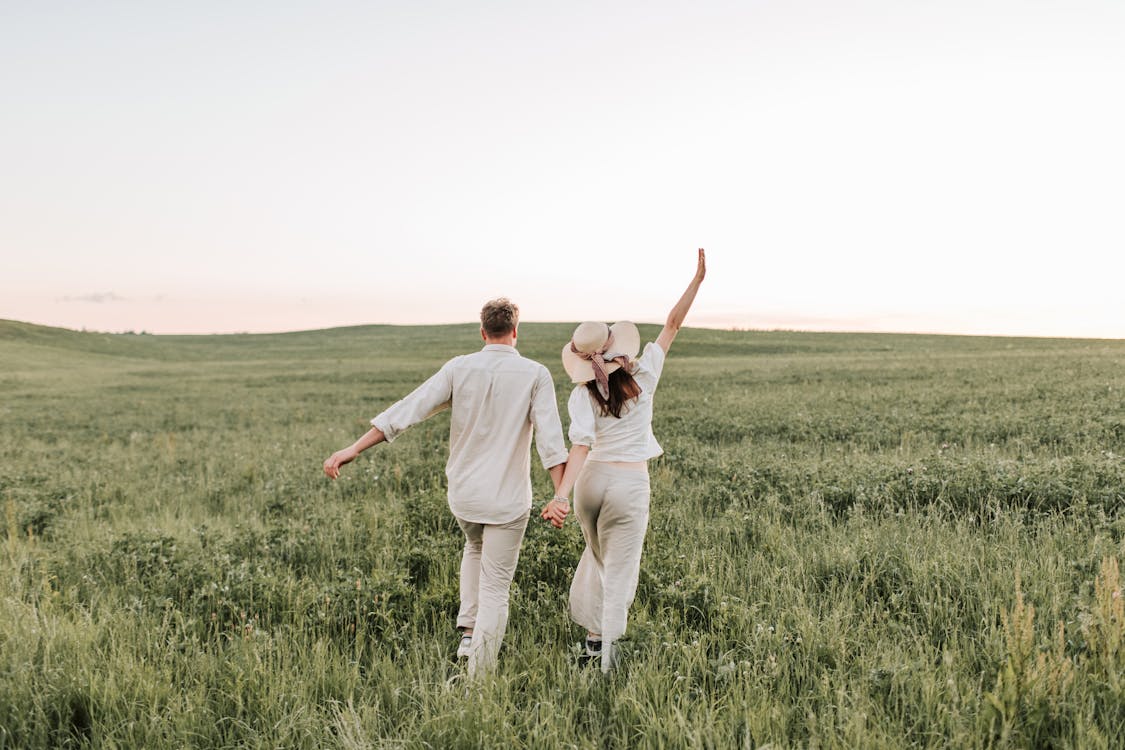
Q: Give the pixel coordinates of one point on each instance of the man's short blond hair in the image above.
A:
(499, 317)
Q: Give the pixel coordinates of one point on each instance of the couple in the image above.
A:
(498, 399)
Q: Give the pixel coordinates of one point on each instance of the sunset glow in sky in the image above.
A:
(888, 166)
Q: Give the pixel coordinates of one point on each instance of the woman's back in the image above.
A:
(630, 437)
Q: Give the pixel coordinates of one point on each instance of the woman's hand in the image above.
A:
(333, 463)
(556, 512)
(680, 311)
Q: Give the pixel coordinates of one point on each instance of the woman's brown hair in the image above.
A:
(622, 388)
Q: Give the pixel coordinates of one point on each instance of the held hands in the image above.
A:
(556, 512)
(333, 463)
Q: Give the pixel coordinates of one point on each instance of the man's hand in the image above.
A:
(556, 512)
(333, 463)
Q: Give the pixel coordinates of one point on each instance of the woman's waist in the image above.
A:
(624, 449)
(633, 465)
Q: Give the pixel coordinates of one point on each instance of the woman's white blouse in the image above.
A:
(629, 438)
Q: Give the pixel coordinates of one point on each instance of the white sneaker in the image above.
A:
(609, 656)
(465, 645)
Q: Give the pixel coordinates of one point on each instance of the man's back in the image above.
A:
(498, 397)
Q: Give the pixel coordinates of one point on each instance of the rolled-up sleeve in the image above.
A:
(545, 419)
(582, 421)
(422, 403)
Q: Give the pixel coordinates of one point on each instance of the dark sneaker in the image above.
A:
(588, 652)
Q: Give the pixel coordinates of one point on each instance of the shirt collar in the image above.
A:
(499, 348)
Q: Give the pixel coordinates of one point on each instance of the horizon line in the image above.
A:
(727, 328)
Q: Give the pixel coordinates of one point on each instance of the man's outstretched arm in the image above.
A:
(332, 464)
(425, 401)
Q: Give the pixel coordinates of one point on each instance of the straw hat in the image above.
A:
(591, 337)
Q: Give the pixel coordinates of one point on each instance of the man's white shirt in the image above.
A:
(499, 399)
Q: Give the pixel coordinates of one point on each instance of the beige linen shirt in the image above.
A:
(499, 398)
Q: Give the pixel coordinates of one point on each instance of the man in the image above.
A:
(498, 398)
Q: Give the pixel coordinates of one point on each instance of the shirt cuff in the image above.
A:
(555, 459)
(385, 426)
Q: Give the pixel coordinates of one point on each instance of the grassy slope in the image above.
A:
(838, 525)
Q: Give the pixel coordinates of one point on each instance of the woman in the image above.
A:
(611, 442)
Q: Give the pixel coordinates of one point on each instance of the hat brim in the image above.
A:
(626, 340)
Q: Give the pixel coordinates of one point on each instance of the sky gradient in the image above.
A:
(946, 167)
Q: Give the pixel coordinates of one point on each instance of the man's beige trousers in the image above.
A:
(488, 565)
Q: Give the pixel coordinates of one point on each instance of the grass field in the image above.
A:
(856, 541)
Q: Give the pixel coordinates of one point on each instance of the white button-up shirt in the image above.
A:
(498, 398)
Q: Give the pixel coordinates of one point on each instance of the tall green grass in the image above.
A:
(856, 541)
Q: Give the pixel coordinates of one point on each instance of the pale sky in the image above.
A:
(887, 166)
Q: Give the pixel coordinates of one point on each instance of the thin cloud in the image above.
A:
(98, 298)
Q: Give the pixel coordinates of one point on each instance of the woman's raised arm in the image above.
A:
(679, 312)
